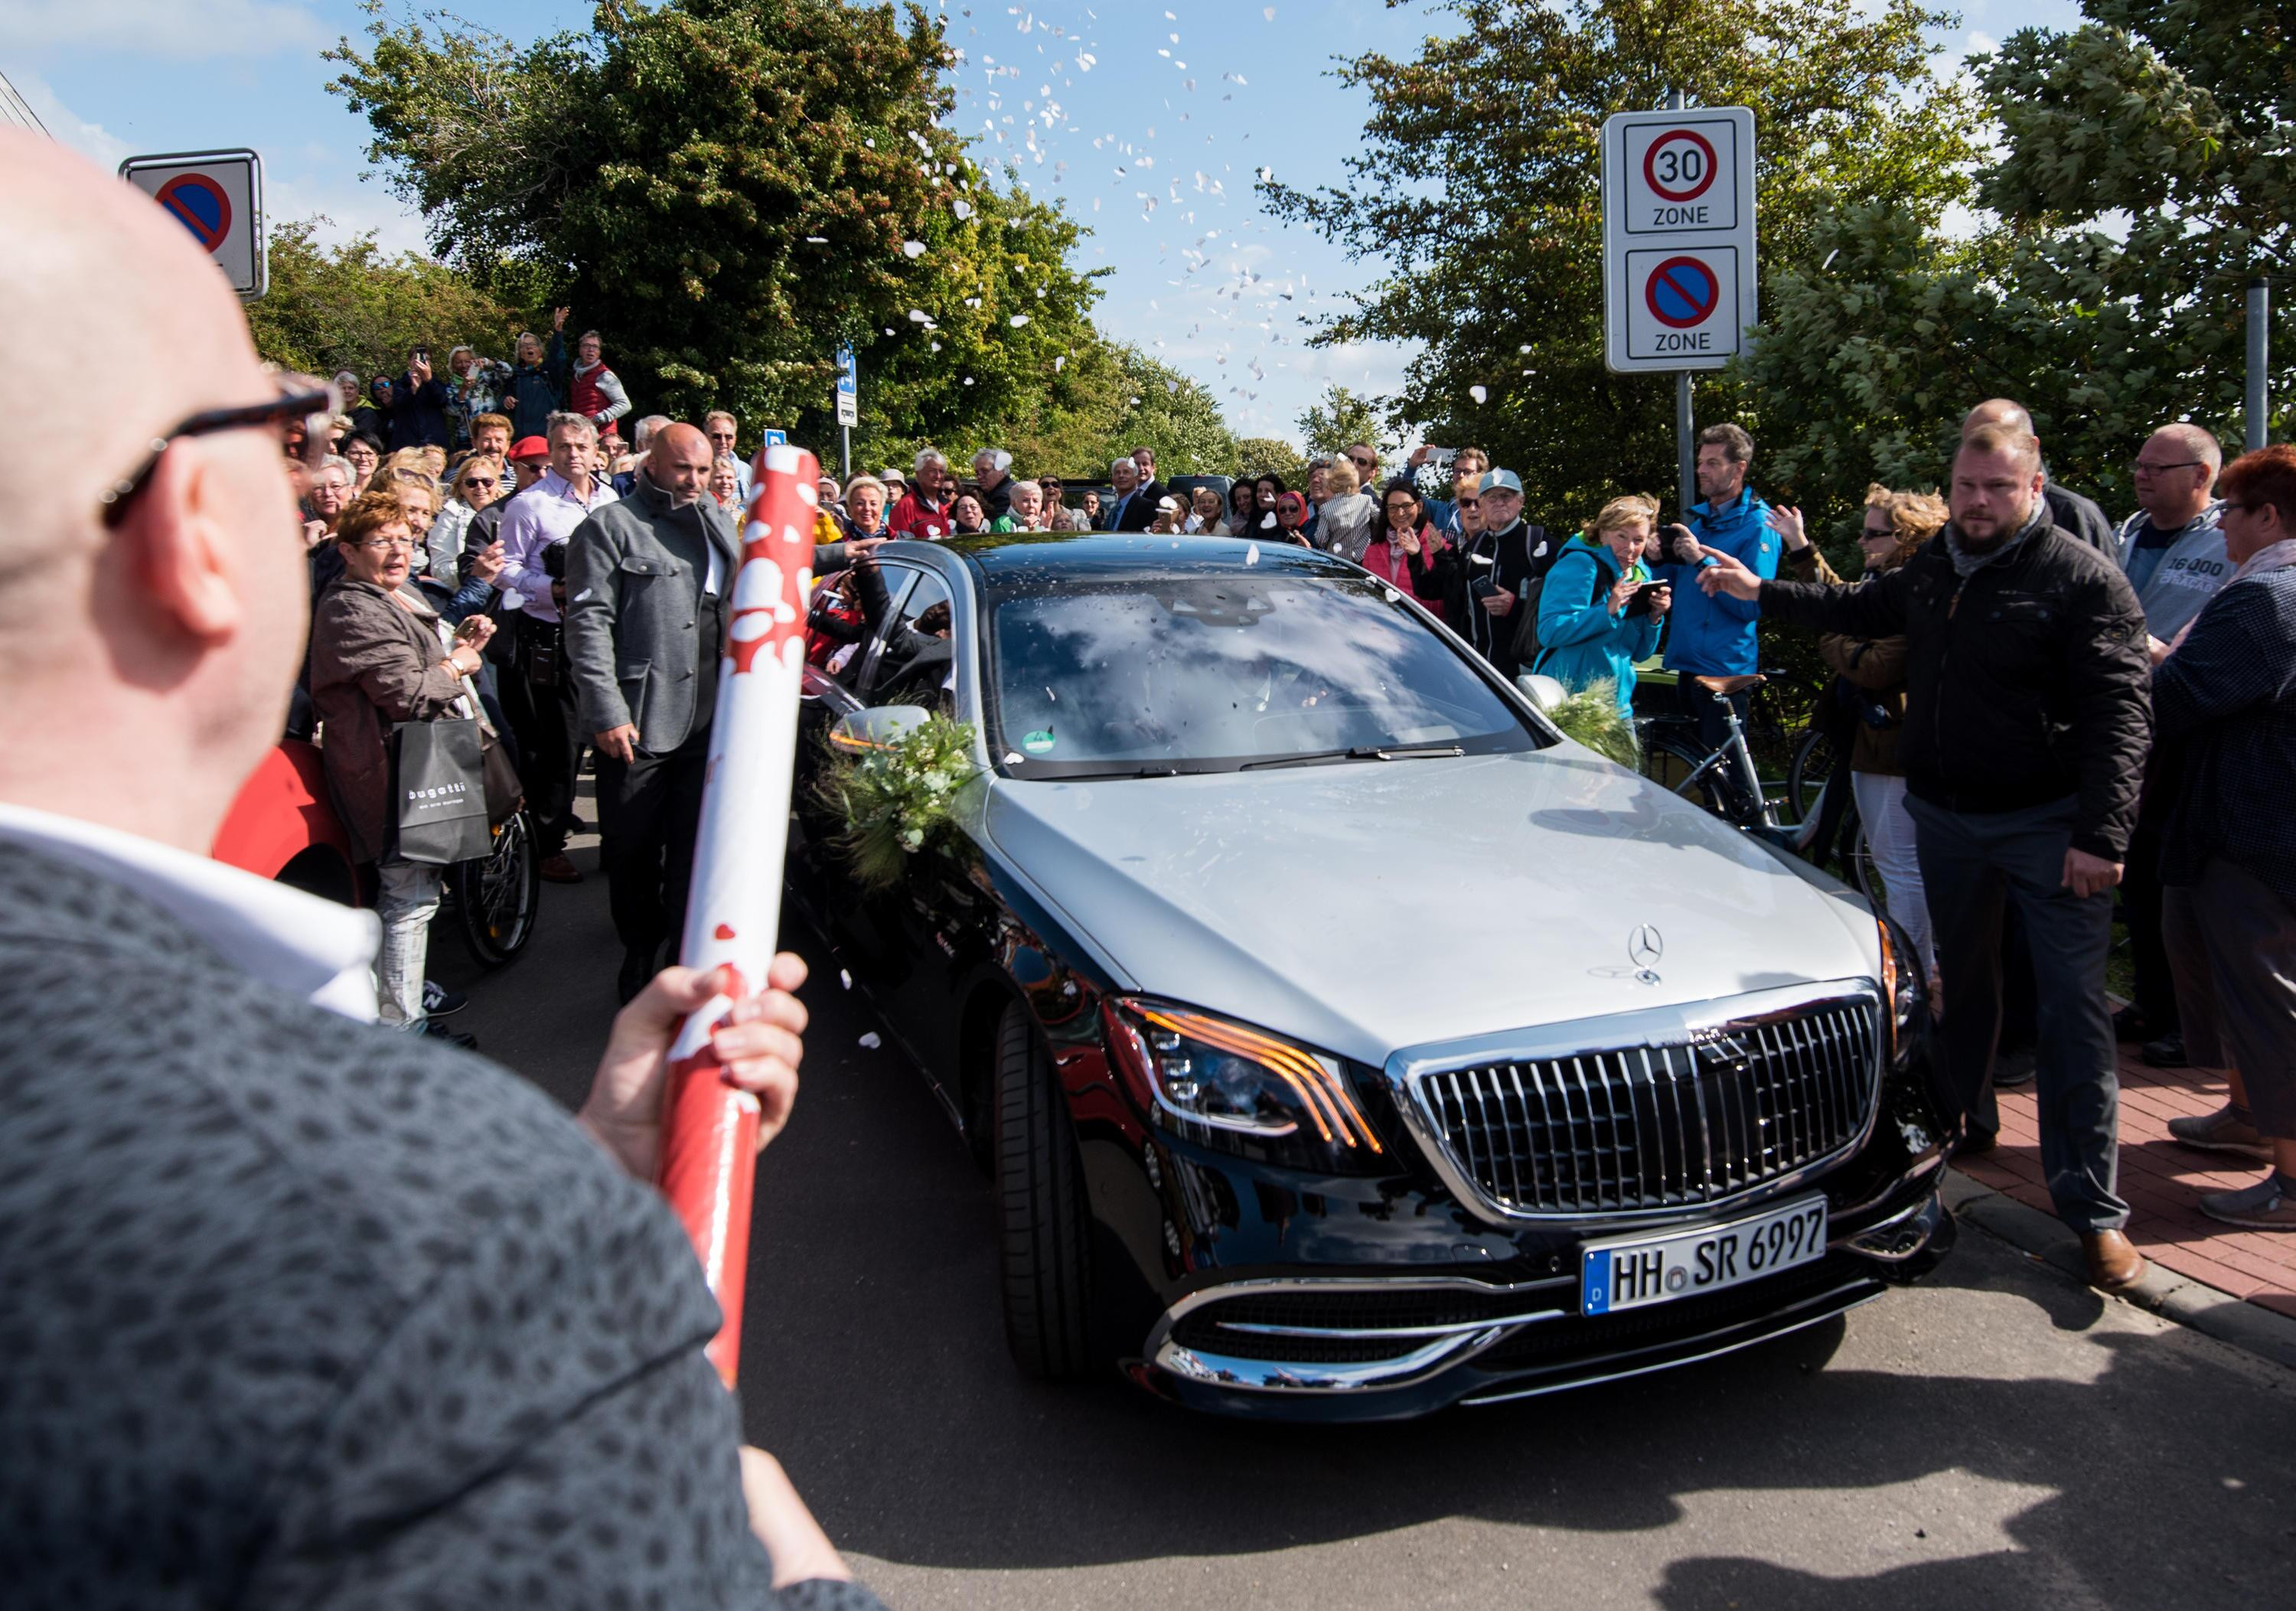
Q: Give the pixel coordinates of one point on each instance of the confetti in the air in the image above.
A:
(1479, 393)
(914, 248)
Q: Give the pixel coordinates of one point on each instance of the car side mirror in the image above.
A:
(878, 728)
(1544, 692)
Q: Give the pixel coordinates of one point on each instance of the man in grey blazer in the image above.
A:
(646, 584)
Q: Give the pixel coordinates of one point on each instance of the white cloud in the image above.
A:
(91, 140)
(170, 27)
(350, 208)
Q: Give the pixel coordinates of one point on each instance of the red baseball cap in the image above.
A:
(529, 447)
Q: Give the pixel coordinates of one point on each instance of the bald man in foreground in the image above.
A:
(297, 1312)
(646, 586)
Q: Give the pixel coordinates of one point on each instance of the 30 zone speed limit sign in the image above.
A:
(1678, 274)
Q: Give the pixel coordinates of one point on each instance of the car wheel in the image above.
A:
(1042, 1223)
(498, 896)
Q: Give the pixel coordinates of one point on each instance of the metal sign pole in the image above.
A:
(2260, 352)
(1686, 460)
(1685, 477)
(845, 452)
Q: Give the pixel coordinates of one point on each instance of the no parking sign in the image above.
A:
(1677, 237)
(217, 195)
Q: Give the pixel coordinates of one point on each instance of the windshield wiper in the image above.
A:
(1362, 751)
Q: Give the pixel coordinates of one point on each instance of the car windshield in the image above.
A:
(1100, 678)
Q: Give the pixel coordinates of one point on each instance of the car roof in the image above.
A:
(1011, 559)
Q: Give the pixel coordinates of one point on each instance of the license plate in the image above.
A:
(1632, 1271)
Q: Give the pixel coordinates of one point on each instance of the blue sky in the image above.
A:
(1189, 121)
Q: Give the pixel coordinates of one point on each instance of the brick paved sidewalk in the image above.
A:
(2161, 1178)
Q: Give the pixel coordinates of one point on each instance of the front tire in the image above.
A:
(1044, 1228)
(497, 897)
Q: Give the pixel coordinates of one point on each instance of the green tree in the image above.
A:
(352, 307)
(726, 186)
(994, 357)
(2178, 118)
(1336, 419)
(1271, 456)
(1477, 187)
(2164, 120)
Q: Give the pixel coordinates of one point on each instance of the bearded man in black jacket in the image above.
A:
(2027, 717)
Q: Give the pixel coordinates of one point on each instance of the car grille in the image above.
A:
(1662, 1126)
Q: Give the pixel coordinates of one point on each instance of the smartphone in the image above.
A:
(1640, 604)
(1439, 458)
(1482, 587)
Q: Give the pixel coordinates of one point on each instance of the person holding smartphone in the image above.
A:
(1599, 611)
(1712, 646)
(1501, 562)
(419, 405)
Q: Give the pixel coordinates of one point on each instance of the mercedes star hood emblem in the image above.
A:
(1644, 947)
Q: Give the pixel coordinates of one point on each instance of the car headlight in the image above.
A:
(1902, 983)
(1213, 1080)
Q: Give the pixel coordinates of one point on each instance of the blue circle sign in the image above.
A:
(1681, 292)
(198, 203)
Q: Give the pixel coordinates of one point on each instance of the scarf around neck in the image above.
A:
(1967, 564)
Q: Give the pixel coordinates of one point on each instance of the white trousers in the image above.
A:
(1889, 835)
(408, 901)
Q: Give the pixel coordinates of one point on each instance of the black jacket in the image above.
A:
(2078, 517)
(2228, 693)
(418, 414)
(2026, 684)
(1140, 514)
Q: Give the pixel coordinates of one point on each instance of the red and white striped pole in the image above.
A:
(710, 1130)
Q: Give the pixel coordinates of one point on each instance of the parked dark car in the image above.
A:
(1341, 1040)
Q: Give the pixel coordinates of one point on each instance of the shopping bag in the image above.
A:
(439, 780)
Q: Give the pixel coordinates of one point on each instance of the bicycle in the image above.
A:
(1671, 758)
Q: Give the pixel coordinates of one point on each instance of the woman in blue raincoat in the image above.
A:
(1598, 611)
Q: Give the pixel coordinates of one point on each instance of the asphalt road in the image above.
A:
(1999, 1437)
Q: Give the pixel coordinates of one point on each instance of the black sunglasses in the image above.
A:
(301, 397)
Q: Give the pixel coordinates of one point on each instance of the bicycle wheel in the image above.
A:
(1860, 867)
(1806, 778)
(497, 897)
(1667, 761)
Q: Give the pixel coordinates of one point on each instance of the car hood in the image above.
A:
(1369, 907)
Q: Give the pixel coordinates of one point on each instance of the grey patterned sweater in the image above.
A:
(294, 1310)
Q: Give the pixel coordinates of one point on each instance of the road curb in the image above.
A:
(2249, 1326)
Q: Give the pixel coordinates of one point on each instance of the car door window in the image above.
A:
(912, 659)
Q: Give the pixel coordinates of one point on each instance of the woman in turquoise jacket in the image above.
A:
(1593, 621)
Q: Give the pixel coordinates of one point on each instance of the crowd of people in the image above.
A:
(2003, 792)
(2049, 713)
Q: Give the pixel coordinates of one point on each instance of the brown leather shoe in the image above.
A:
(558, 869)
(2114, 1265)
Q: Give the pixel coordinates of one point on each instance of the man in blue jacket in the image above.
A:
(1709, 646)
